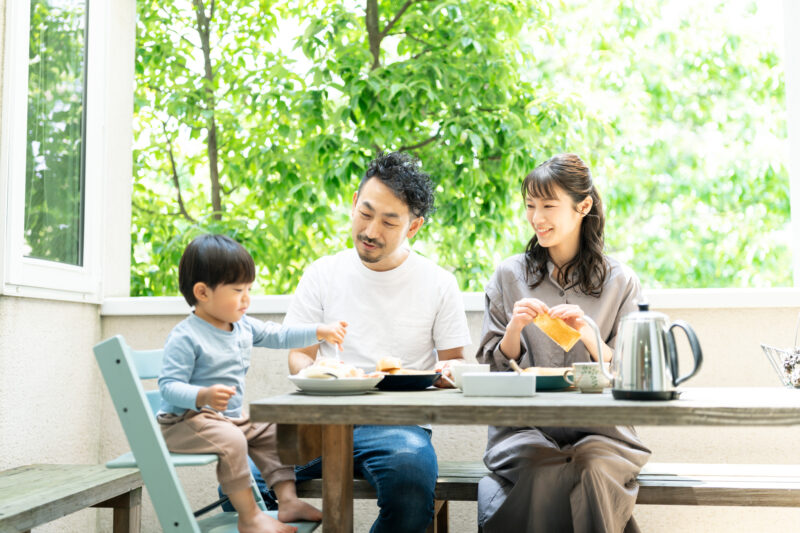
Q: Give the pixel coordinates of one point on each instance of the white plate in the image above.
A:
(335, 387)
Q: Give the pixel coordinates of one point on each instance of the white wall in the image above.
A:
(730, 339)
(51, 391)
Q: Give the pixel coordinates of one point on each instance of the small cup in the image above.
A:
(587, 377)
(460, 370)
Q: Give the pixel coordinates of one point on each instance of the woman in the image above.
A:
(551, 478)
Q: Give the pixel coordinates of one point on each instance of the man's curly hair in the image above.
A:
(403, 174)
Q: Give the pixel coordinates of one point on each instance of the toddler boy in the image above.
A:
(206, 358)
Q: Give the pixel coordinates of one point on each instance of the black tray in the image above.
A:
(646, 395)
(408, 382)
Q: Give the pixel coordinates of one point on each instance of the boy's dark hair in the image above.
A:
(403, 175)
(213, 260)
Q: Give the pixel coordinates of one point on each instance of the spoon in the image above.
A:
(450, 381)
(514, 366)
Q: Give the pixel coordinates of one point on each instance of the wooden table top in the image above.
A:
(767, 406)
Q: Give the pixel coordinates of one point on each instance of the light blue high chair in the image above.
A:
(123, 369)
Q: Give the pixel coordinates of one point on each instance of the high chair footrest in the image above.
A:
(226, 523)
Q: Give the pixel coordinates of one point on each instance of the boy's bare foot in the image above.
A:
(290, 510)
(263, 523)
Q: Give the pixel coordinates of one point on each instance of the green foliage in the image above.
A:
(671, 113)
(54, 147)
(692, 162)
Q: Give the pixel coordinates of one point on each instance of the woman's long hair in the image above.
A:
(588, 268)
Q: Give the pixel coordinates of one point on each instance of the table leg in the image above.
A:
(299, 444)
(127, 511)
(337, 478)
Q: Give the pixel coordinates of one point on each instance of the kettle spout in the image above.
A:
(600, 343)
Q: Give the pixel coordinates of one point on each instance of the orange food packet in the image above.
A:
(558, 330)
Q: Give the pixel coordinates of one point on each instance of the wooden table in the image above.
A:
(336, 415)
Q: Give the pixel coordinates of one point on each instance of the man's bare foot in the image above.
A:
(263, 523)
(290, 510)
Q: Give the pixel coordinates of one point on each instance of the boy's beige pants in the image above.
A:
(233, 439)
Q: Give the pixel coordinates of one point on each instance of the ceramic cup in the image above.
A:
(587, 377)
(460, 370)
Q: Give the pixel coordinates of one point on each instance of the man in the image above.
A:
(396, 303)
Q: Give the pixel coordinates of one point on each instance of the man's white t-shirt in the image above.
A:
(406, 312)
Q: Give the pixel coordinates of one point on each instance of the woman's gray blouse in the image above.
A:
(621, 292)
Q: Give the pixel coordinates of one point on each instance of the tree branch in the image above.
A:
(426, 142)
(417, 56)
(138, 205)
(374, 34)
(415, 38)
(231, 190)
(397, 16)
(175, 179)
(204, 31)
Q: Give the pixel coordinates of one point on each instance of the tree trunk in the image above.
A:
(374, 33)
(204, 31)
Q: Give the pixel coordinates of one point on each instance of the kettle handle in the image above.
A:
(696, 351)
(600, 344)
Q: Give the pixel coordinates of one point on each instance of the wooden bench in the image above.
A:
(659, 484)
(36, 494)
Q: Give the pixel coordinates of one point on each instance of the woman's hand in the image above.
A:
(571, 314)
(525, 310)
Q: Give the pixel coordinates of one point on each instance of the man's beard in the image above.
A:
(367, 258)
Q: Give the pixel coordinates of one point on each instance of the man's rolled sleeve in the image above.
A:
(450, 328)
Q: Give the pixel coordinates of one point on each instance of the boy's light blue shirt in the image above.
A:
(199, 355)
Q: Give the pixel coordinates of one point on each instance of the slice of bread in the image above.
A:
(558, 330)
(386, 364)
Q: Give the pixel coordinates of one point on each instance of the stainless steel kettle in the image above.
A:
(645, 363)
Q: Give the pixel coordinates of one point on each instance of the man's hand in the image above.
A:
(215, 396)
(444, 368)
(333, 333)
(446, 358)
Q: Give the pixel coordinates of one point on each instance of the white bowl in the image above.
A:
(460, 370)
(335, 387)
(498, 384)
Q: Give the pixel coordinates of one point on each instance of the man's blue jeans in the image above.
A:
(399, 462)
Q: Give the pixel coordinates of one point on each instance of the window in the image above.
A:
(53, 219)
(52, 153)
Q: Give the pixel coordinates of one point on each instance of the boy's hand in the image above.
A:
(215, 396)
(333, 333)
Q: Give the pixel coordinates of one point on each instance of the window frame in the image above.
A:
(791, 17)
(27, 276)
